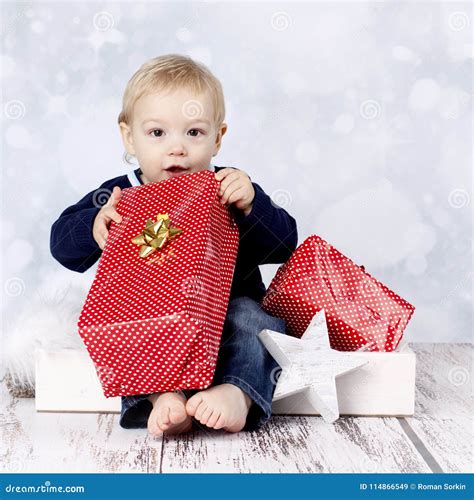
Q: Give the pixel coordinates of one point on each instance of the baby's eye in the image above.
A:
(195, 130)
(157, 130)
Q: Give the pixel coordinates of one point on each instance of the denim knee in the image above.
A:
(246, 314)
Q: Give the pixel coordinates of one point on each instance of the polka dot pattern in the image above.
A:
(154, 324)
(360, 311)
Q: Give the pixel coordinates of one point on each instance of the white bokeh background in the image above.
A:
(356, 117)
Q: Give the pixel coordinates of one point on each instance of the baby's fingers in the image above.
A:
(111, 214)
(102, 237)
(114, 197)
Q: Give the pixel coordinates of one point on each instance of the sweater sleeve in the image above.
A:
(269, 233)
(71, 241)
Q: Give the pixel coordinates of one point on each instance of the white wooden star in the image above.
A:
(310, 365)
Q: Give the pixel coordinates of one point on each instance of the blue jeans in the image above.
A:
(242, 360)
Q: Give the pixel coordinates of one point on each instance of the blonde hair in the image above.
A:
(168, 72)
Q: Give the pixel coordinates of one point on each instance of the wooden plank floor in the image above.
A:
(438, 438)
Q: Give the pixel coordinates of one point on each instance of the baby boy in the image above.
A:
(172, 123)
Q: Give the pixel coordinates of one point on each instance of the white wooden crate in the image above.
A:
(66, 381)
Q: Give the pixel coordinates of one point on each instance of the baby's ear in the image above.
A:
(222, 130)
(127, 137)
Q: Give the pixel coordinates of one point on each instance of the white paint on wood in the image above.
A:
(80, 442)
(444, 413)
(67, 442)
(66, 380)
(297, 445)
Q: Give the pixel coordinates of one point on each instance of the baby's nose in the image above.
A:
(177, 149)
(177, 152)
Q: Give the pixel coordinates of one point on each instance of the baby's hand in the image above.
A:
(107, 213)
(236, 188)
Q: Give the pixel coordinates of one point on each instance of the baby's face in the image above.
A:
(176, 128)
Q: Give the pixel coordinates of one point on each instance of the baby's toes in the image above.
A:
(220, 422)
(152, 425)
(193, 403)
(177, 413)
(200, 411)
(212, 420)
(163, 417)
(206, 414)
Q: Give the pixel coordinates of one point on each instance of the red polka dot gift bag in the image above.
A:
(361, 312)
(153, 317)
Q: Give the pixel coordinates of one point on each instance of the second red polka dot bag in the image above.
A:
(153, 318)
(360, 311)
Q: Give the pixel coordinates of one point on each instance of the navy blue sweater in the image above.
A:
(268, 235)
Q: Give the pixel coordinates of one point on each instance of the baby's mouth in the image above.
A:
(176, 170)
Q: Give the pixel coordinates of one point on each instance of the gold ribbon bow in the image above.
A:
(155, 235)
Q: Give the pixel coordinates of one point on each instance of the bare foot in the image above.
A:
(169, 414)
(223, 406)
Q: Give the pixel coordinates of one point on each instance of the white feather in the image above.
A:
(48, 320)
